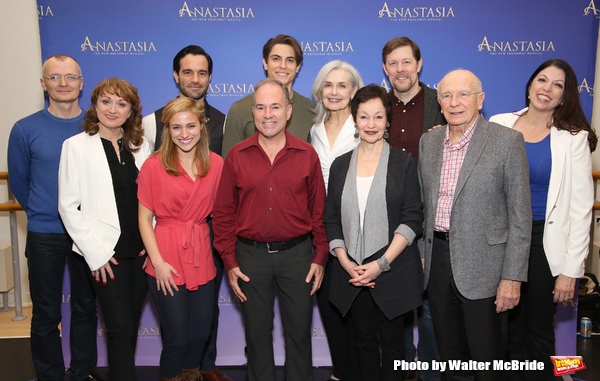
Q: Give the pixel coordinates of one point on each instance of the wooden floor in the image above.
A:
(14, 329)
(15, 356)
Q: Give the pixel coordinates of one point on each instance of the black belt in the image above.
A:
(274, 247)
(442, 235)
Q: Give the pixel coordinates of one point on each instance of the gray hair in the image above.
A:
(275, 82)
(321, 113)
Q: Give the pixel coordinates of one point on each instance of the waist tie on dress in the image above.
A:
(194, 237)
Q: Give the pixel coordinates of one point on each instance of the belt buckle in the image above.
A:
(269, 249)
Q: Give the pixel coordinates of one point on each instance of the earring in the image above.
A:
(386, 134)
(356, 132)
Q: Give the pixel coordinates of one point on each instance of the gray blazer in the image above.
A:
(490, 225)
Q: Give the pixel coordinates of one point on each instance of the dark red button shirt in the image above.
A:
(406, 126)
(268, 202)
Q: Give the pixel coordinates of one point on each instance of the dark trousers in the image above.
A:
(46, 255)
(466, 329)
(121, 302)
(427, 348)
(186, 320)
(340, 333)
(286, 270)
(531, 323)
(210, 352)
(376, 334)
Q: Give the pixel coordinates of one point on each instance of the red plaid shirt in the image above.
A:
(452, 160)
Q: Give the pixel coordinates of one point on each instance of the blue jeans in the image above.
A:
(186, 319)
(427, 348)
(46, 255)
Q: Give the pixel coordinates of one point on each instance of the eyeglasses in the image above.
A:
(461, 96)
(58, 78)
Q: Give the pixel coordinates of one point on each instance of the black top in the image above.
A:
(124, 175)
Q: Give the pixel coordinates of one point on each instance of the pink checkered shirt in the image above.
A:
(452, 160)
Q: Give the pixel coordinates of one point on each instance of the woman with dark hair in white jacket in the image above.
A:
(559, 142)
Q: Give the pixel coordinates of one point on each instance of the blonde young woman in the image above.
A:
(177, 185)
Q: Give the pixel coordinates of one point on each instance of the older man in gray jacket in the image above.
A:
(477, 204)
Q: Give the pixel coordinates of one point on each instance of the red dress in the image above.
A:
(181, 207)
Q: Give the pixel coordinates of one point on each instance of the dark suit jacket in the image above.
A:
(398, 290)
(433, 112)
(490, 225)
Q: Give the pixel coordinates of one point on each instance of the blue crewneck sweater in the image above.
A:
(34, 150)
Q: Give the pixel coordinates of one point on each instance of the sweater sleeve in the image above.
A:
(234, 128)
(19, 162)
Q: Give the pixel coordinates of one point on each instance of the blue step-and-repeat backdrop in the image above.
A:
(501, 41)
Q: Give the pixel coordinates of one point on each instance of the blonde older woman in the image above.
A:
(332, 135)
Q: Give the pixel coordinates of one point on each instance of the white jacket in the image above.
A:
(570, 199)
(86, 198)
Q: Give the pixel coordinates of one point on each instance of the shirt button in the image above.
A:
(270, 209)
(270, 228)
(271, 169)
(403, 130)
(403, 110)
(271, 189)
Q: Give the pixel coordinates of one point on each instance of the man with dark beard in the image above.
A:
(192, 70)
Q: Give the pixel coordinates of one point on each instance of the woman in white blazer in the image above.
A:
(332, 135)
(559, 142)
(98, 206)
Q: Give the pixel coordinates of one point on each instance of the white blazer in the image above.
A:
(86, 198)
(570, 199)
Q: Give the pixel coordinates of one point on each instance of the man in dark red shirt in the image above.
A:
(415, 108)
(269, 204)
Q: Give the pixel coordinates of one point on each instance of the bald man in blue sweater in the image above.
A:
(34, 150)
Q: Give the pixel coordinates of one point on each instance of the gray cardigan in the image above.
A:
(398, 290)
